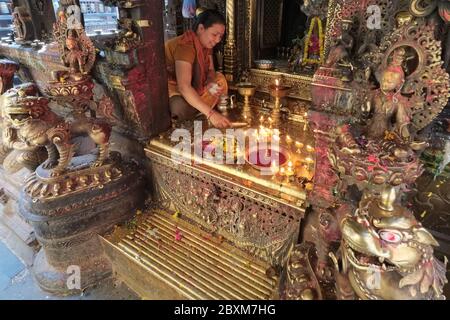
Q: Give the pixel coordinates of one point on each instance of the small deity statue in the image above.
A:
(127, 38)
(388, 101)
(19, 25)
(74, 57)
(339, 54)
(296, 58)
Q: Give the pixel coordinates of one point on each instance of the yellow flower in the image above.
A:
(388, 135)
(306, 59)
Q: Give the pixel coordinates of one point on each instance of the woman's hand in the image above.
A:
(219, 121)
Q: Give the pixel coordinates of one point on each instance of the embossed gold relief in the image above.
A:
(300, 85)
(251, 221)
(377, 165)
(302, 283)
(260, 214)
(41, 186)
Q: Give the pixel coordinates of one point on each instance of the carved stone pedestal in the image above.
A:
(69, 211)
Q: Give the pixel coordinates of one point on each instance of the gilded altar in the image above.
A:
(259, 213)
(189, 211)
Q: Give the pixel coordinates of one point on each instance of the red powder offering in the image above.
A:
(264, 158)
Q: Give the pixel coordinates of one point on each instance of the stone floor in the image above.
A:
(17, 283)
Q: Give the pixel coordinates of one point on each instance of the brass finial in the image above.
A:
(387, 200)
(199, 11)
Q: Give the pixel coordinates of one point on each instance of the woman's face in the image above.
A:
(211, 36)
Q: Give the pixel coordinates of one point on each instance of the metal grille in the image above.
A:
(271, 22)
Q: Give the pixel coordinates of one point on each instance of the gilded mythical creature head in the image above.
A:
(386, 238)
(21, 104)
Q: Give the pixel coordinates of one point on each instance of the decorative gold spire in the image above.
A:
(387, 200)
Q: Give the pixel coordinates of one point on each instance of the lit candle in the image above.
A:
(277, 82)
(299, 146)
(261, 119)
(274, 167)
(255, 134)
(282, 171)
(263, 131)
(290, 169)
(288, 139)
(309, 161)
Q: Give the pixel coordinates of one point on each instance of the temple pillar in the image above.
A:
(230, 54)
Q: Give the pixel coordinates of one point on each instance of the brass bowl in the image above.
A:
(279, 91)
(246, 89)
(265, 64)
(281, 161)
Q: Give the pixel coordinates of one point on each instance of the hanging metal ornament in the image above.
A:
(189, 7)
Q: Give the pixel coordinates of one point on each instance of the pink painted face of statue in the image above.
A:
(211, 36)
(71, 44)
(391, 81)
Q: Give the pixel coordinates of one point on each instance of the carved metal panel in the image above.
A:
(251, 221)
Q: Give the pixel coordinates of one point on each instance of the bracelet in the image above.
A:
(210, 113)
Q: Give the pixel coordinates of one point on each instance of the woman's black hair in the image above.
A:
(207, 18)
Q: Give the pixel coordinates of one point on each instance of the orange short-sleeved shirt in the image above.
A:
(176, 51)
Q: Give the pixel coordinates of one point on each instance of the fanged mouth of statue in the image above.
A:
(366, 261)
(19, 117)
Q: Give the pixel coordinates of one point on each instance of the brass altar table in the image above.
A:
(226, 213)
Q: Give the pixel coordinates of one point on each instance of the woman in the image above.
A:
(193, 84)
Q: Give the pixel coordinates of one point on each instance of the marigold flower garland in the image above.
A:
(306, 59)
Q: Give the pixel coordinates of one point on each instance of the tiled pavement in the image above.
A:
(17, 283)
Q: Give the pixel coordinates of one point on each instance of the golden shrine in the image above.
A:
(331, 182)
